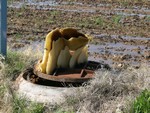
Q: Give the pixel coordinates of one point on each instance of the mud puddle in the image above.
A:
(80, 7)
(124, 40)
(26, 30)
(123, 37)
(21, 4)
(118, 50)
(117, 55)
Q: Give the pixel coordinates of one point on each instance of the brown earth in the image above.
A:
(121, 32)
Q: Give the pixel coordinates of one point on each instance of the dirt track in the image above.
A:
(121, 32)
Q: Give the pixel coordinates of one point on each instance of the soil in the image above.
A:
(120, 30)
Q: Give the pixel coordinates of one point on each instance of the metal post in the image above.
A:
(3, 27)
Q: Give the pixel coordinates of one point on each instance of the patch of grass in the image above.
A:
(17, 61)
(18, 36)
(50, 21)
(52, 17)
(82, 25)
(99, 21)
(9, 1)
(62, 111)
(141, 103)
(2, 89)
(21, 105)
(14, 64)
(124, 3)
(148, 18)
(116, 19)
(85, 23)
(72, 101)
(19, 14)
(54, 13)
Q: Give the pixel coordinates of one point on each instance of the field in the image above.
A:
(121, 39)
(120, 30)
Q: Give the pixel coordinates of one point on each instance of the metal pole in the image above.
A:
(3, 27)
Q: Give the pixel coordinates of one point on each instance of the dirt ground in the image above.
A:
(120, 30)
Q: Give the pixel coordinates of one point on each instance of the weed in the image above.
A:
(72, 101)
(141, 103)
(54, 13)
(15, 63)
(21, 105)
(50, 21)
(99, 21)
(9, 2)
(124, 3)
(70, 2)
(69, 24)
(2, 89)
(116, 19)
(19, 14)
(52, 16)
(18, 35)
(85, 23)
(62, 111)
(58, 108)
(148, 18)
(94, 42)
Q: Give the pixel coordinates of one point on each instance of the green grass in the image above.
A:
(124, 3)
(116, 19)
(18, 36)
(21, 105)
(18, 61)
(2, 89)
(15, 63)
(54, 13)
(61, 111)
(99, 21)
(141, 103)
(50, 21)
(19, 14)
(148, 18)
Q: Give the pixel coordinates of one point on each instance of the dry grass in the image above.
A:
(5, 96)
(109, 92)
(10, 68)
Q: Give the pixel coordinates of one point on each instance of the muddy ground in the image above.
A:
(121, 30)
